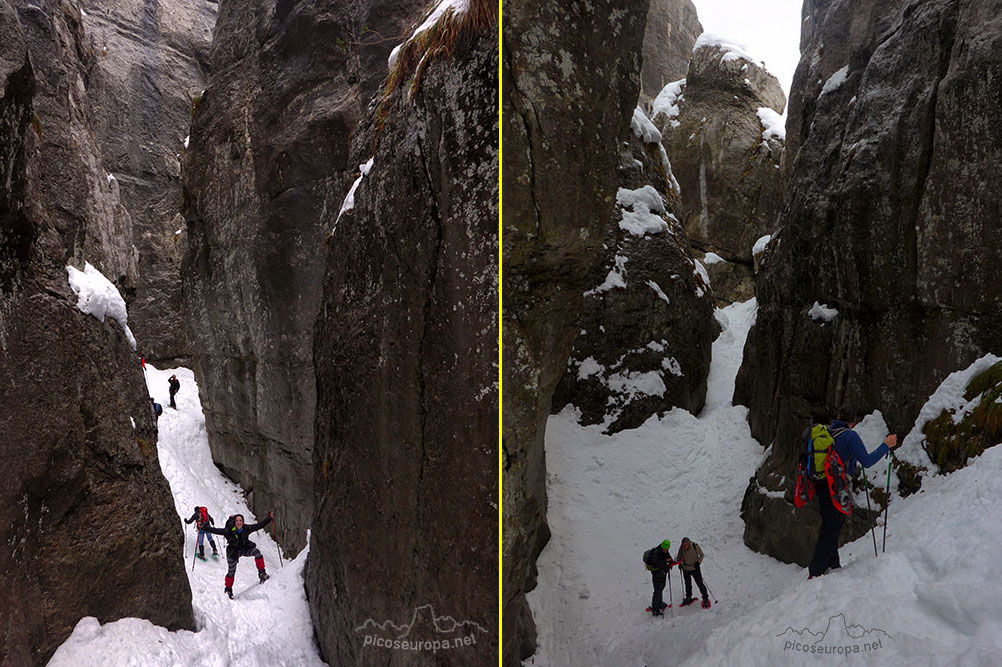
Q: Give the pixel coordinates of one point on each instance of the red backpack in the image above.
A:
(205, 515)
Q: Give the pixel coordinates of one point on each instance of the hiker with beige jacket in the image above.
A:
(689, 557)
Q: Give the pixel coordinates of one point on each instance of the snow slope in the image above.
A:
(265, 625)
(934, 597)
(611, 498)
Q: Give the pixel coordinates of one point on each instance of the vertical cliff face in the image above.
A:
(895, 124)
(268, 155)
(724, 135)
(569, 93)
(150, 58)
(671, 31)
(647, 325)
(77, 439)
(405, 349)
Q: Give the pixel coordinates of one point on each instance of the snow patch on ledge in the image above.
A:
(760, 245)
(657, 290)
(822, 312)
(835, 81)
(773, 124)
(98, 296)
(643, 128)
(732, 50)
(615, 278)
(666, 103)
(349, 200)
(646, 208)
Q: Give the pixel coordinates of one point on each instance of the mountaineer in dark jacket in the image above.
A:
(238, 544)
(175, 385)
(202, 519)
(850, 449)
(658, 561)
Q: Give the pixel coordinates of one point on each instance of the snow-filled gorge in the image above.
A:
(264, 625)
(935, 596)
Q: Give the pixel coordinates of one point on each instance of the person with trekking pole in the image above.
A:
(689, 558)
(202, 518)
(832, 453)
(659, 563)
(238, 544)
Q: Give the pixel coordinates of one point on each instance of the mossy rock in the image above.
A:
(950, 445)
(909, 477)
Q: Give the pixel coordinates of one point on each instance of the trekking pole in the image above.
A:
(274, 531)
(873, 529)
(708, 589)
(195, 553)
(887, 508)
(670, 603)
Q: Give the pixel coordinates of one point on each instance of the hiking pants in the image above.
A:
(826, 551)
(172, 404)
(698, 576)
(659, 579)
(233, 555)
(201, 538)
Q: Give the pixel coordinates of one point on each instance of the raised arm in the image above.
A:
(214, 531)
(191, 518)
(259, 525)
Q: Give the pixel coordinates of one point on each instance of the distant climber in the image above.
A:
(202, 520)
(156, 408)
(847, 444)
(689, 557)
(658, 561)
(238, 544)
(175, 384)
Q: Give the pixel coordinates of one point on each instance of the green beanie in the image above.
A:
(666, 544)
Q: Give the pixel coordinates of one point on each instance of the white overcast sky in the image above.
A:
(769, 28)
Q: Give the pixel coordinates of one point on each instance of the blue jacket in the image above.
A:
(851, 450)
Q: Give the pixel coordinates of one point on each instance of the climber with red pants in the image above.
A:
(238, 544)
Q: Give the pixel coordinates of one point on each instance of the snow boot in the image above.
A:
(687, 601)
(228, 591)
(262, 576)
(706, 603)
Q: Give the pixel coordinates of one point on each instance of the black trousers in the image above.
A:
(659, 579)
(172, 404)
(826, 550)
(698, 576)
